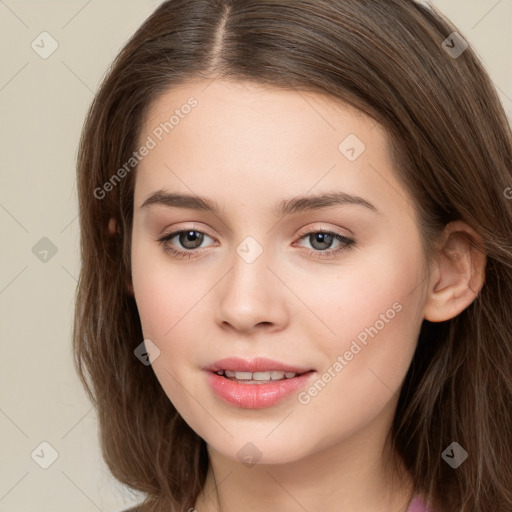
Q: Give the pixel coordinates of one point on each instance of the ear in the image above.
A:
(113, 229)
(458, 274)
(129, 286)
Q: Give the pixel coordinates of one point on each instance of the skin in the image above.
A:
(248, 147)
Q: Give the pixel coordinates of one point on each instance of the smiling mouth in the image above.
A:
(258, 377)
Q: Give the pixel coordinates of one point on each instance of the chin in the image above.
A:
(256, 450)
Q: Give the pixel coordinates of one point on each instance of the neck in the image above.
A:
(358, 473)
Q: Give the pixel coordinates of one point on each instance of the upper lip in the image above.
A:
(258, 364)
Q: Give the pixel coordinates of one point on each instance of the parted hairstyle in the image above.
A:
(452, 148)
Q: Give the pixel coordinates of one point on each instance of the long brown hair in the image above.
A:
(452, 146)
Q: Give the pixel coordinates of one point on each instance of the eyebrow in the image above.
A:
(285, 207)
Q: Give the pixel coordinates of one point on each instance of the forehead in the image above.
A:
(251, 141)
(255, 107)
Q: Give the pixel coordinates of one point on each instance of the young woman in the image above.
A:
(296, 225)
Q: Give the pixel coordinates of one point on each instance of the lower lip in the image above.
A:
(255, 396)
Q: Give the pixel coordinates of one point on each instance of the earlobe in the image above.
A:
(113, 227)
(129, 286)
(459, 273)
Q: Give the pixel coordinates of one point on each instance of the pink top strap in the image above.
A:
(418, 505)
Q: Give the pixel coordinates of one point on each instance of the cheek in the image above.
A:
(161, 292)
(370, 289)
(361, 380)
(164, 309)
(167, 303)
(375, 313)
(373, 310)
(154, 302)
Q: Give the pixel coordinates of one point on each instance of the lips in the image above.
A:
(257, 365)
(256, 376)
(256, 395)
(255, 383)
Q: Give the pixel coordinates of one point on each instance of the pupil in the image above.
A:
(191, 236)
(325, 238)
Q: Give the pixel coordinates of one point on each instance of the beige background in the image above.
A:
(43, 103)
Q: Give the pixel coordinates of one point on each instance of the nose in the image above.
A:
(252, 297)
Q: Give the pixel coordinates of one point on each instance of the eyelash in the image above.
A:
(192, 253)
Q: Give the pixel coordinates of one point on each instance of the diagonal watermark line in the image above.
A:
(77, 423)
(301, 300)
(374, 124)
(502, 91)
(69, 223)
(210, 83)
(14, 218)
(3, 3)
(421, 281)
(75, 15)
(197, 302)
(81, 491)
(485, 15)
(303, 97)
(217, 485)
(198, 402)
(69, 273)
(14, 423)
(14, 76)
(303, 195)
(13, 279)
(287, 492)
(279, 423)
(393, 392)
(77, 77)
(14, 485)
(193, 193)
(405, 198)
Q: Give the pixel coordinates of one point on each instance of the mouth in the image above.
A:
(259, 370)
(262, 377)
(256, 384)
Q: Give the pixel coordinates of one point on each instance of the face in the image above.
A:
(331, 288)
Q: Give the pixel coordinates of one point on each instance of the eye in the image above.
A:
(192, 239)
(319, 239)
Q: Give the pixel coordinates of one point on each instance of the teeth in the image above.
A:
(271, 375)
(267, 375)
(243, 375)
